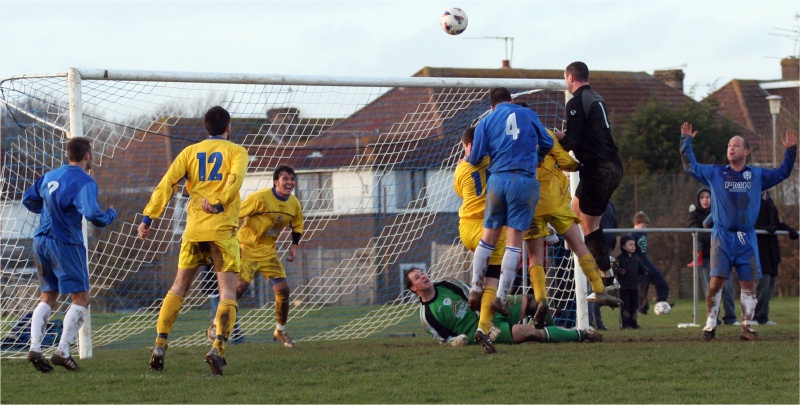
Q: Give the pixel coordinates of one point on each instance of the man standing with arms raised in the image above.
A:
(588, 136)
(735, 201)
(513, 137)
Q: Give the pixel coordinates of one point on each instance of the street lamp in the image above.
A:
(774, 110)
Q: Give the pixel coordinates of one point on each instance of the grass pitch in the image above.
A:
(659, 363)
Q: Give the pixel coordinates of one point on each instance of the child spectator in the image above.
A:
(700, 217)
(628, 269)
(652, 274)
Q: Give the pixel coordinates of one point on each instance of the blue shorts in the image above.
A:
(510, 200)
(734, 249)
(62, 266)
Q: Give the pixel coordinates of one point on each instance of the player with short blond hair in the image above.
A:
(214, 170)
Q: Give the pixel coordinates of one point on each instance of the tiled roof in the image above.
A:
(415, 127)
(744, 102)
(622, 91)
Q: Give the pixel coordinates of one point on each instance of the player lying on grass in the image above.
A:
(445, 314)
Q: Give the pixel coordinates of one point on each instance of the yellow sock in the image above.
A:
(538, 281)
(485, 320)
(282, 306)
(592, 272)
(225, 320)
(167, 315)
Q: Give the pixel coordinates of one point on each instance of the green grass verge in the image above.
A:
(659, 363)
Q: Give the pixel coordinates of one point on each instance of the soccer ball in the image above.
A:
(454, 21)
(662, 308)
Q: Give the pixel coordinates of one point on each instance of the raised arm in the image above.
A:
(690, 165)
(772, 177)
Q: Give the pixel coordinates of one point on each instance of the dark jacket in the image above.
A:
(633, 268)
(609, 221)
(769, 252)
(696, 218)
(588, 129)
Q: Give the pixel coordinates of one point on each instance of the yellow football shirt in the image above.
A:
(214, 169)
(553, 184)
(469, 183)
(264, 216)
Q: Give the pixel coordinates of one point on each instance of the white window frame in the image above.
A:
(318, 196)
(412, 188)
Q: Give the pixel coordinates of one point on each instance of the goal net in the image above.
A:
(374, 158)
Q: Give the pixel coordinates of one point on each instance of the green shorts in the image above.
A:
(505, 322)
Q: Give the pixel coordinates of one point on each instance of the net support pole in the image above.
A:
(695, 288)
(581, 305)
(76, 129)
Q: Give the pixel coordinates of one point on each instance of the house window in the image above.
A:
(411, 189)
(315, 191)
(179, 214)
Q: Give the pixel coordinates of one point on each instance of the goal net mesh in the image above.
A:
(374, 166)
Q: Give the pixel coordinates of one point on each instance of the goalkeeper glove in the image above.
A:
(460, 340)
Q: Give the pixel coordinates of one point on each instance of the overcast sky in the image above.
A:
(712, 41)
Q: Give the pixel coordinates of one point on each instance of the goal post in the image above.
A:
(374, 158)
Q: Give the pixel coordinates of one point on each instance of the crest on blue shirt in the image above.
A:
(747, 175)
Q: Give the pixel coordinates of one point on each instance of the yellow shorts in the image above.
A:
(225, 254)
(471, 232)
(560, 220)
(270, 268)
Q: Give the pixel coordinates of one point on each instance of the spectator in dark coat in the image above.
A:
(700, 217)
(769, 253)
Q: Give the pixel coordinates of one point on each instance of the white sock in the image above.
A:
(713, 312)
(748, 301)
(38, 325)
(280, 327)
(73, 321)
(508, 271)
(480, 263)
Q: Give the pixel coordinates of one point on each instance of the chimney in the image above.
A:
(506, 64)
(790, 70)
(672, 78)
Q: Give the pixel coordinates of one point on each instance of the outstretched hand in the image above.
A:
(686, 129)
(790, 139)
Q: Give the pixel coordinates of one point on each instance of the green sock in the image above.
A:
(549, 321)
(558, 334)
